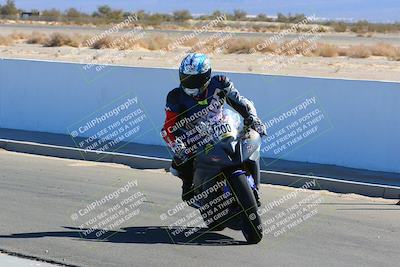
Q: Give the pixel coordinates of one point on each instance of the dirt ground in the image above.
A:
(372, 68)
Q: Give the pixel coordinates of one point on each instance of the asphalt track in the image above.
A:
(45, 200)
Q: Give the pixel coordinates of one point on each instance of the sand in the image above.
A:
(372, 68)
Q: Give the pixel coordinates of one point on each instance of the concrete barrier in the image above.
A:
(347, 123)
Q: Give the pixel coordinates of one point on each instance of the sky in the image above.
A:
(372, 10)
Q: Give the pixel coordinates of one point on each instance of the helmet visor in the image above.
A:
(193, 81)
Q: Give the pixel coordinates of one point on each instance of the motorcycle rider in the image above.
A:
(197, 92)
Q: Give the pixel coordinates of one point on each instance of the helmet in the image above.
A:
(195, 73)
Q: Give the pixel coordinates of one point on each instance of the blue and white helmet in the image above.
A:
(195, 73)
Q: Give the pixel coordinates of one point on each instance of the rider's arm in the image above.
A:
(172, 109)
(241, 104)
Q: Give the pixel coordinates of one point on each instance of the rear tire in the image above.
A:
(251, 221)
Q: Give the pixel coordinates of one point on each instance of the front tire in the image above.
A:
(251, 221)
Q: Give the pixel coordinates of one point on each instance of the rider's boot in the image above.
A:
(187, 181)
(187, 189)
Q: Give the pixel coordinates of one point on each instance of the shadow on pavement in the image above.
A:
(140, 235)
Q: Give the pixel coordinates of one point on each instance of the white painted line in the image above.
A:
(12, 261)
(83, 150)
(330, 179)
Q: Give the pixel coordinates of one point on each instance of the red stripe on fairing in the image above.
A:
(170, 120)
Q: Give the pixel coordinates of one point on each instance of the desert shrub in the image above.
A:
(60, 39)
(37, 38)
(105, 42)
(18, 36)
(327, 50)
(339, 27)
(6, 40)
(155, 42)
(383, 50)
(240, 46)
(359, 51)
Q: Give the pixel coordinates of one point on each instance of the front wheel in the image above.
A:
(251, 221)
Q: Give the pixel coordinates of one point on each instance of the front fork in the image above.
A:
(251, 182)
(254, 170)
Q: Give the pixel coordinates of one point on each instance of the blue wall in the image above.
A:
(360, 126)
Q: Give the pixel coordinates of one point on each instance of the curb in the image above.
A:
(134, 161)
(144, 162)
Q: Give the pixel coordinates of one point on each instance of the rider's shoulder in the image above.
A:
(174, 94)
(176, 91)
